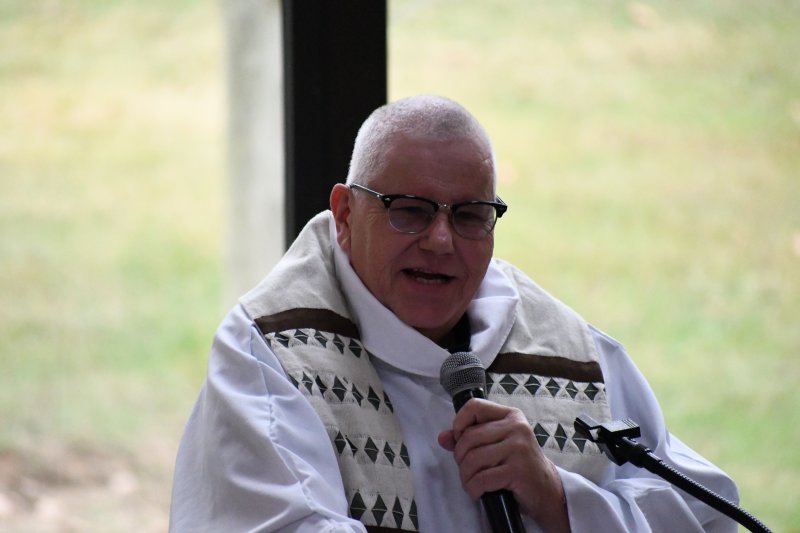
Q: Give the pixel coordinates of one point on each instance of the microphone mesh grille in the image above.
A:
(462, 371)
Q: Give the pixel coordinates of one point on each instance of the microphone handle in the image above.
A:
(503, 512)
(462, 397)
(501, 508)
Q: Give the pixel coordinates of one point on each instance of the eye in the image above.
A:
(412, 207)
(411, 210)
(474, 214)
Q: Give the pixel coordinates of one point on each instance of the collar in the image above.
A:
(491, 314)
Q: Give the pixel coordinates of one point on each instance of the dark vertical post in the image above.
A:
(334, 76)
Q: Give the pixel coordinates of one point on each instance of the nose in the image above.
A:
(438, 237)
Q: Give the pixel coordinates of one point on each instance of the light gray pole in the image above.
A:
(255, 234)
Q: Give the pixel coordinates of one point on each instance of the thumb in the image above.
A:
(447, 440)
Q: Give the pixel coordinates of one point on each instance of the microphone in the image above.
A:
(463, 377)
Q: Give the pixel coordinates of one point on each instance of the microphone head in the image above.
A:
(462, 371)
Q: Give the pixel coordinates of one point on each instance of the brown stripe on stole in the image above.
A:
(321, 319)
(549, 366)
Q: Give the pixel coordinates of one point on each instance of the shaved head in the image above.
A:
(424, 117)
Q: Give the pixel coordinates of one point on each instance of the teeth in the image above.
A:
(425, 276)
(428, 281)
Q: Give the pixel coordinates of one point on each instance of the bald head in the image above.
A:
(424, 117)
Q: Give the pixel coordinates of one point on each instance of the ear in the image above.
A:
(341, 196)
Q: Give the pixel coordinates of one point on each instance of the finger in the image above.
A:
(488, 480)
(512, 432)
(473, 460)
(447, 440)
(477, 439)
(477, 411)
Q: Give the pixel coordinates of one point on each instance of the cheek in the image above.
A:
(372, 259)
(477, 263)
(477, 258)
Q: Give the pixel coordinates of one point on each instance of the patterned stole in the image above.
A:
(323, 357)
(552, 392)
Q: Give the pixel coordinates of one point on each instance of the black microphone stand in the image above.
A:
(614, 439)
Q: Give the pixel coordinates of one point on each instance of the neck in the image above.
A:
(457, 339)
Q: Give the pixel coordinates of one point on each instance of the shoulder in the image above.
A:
(543, 324)
(530, 292)
(606, 343)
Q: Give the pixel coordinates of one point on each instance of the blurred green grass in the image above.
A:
(111, 169)
(649, 152)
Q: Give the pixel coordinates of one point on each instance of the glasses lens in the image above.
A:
(410, 215)
(474, 221)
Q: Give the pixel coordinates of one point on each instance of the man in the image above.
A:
(323, 412)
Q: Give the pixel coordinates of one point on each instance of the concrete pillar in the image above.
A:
(255, 236)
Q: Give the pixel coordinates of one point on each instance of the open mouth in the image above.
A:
(426, 276)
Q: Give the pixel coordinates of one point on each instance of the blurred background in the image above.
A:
(650, 153)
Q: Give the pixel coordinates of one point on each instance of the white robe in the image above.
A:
(255, 456)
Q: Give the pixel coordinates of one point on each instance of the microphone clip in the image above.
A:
(613, 438)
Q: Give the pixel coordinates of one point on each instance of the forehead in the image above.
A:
(452, 169)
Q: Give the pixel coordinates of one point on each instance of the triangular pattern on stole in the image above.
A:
(361, 448)
(554, 402)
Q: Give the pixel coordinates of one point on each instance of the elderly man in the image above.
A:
(323, 412)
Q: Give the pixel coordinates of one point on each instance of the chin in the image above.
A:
(433, 328)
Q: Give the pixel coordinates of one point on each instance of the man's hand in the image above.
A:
(495, 448)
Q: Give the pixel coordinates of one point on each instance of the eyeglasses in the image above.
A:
(413, 214)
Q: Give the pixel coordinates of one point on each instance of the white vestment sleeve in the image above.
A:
(255, 455)
(632, 499)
